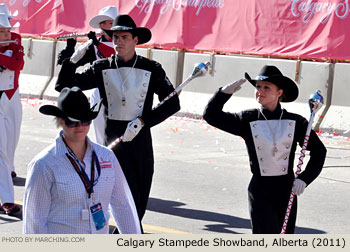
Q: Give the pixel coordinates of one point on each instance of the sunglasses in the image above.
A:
(71, 124)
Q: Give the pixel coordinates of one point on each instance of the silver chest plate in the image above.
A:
(134, 91)
(270, 163)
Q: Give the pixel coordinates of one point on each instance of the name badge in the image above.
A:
(98, 216)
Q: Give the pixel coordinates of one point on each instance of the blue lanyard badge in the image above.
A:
(98, 216)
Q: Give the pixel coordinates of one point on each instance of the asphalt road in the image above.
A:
(201, 178)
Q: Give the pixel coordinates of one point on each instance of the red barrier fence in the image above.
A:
(287, 28)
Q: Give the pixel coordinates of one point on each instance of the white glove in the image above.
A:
(299, 187)
(132, 130)
(233, 87)
(80, 52)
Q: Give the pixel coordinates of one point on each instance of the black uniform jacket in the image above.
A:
(238, 124)
(89, 57)
(92, 77)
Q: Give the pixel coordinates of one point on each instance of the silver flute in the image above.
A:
(8, 41)
(77, 35)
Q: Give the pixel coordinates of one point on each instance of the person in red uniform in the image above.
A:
(18, 38)
(11, 62)
(95, 48)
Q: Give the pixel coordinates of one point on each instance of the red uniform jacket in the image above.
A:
(14, 63)
(106, 50)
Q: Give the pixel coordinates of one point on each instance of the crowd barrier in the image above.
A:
(338, 114)
(40, 72)
(38, 68)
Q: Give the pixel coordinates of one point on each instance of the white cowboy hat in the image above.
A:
(4, 21)
(106, 13)
(5, 10)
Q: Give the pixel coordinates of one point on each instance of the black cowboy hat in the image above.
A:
(273, 74)
(126, 23)
(73, 105)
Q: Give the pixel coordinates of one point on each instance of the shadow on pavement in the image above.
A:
(223, 222)
(303, 230)
(6, 219)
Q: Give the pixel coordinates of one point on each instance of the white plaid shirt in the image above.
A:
(55, 196)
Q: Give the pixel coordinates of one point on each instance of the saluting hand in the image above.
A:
(233, 87)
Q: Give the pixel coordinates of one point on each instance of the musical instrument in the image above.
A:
(77, 35)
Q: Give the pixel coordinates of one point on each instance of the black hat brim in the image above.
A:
(52, 110)
(55, 111)
(290, 89)
(144, 34)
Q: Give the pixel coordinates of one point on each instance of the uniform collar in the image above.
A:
(128, 63)
(274, 114)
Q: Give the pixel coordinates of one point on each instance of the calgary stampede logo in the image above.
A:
(306, 10)
(178, 4)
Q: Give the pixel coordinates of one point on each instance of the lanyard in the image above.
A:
(88, 183)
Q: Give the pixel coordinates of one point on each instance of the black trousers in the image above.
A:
(268, 200)
(137, 162)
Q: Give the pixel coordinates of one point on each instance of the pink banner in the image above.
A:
(290, 28)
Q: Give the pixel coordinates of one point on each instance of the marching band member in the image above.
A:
(128, 83)
(16, 37)
(11, 62)
(90, 51)
(271, 134)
